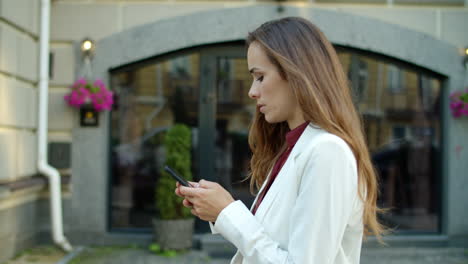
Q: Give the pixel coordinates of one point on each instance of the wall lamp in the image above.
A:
(87, 47)
(465, 56)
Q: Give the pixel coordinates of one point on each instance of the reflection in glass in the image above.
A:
(233, 117)
(150, 100)
(400, 108)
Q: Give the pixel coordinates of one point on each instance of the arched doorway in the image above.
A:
(206, 88)
(430, 57)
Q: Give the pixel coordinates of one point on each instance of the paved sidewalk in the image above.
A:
(138, 255)
(369, 256)
(414, 256)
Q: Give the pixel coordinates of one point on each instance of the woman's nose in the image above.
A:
(253, 92)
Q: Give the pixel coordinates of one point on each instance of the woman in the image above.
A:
(318, 187)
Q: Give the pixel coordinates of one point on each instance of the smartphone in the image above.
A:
(176, 176)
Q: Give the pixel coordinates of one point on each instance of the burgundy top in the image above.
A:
(291, 139)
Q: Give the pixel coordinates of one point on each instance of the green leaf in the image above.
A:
(155, 248)
(464, 97)
(177, 142)
(170, 253)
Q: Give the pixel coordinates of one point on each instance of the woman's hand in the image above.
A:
(207, 200)
(185, 202)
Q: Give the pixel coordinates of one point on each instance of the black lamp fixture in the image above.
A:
(89, 117)
(87, 47)
(280, 8)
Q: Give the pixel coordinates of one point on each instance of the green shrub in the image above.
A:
(178, 144)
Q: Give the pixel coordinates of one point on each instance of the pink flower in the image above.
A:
(77, 97)
(81, 82)
(83, 92)
(102, 100)
(459, 103)
(99, 83)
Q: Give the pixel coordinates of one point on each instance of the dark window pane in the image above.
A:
(234, 114)
(400, 109)
(150, 100)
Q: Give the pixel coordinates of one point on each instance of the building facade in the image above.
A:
(184, 62)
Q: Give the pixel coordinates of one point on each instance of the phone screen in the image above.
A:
(176, 176)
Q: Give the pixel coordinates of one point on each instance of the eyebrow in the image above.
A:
(253, 70)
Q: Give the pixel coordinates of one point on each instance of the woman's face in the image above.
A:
(273, 95)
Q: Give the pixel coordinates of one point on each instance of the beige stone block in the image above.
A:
(422, 20)
(8, 48)
(9, 115)
(26, 97)
(63, 64)
(454, 27)
(75, 21)
(28, 50)
(60, 114)
(60, 136)
(26, 153)
(143, 13)
(34, 103)
(4, 104)
(7, 154)
(23, 13)
(18, 104)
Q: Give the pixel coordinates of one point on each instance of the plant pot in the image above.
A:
(173, 234)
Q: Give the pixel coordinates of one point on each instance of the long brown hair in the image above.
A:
(307, 60)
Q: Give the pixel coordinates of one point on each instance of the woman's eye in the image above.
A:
(260, 78)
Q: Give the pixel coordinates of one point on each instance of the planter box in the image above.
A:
(173, 234)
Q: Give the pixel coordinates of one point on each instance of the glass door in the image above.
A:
(205, 89)
(225, 115)
(150, 99)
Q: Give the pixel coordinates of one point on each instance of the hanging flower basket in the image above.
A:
(459, 103)
(83, 92)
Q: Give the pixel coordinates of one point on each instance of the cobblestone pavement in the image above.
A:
(369, 256)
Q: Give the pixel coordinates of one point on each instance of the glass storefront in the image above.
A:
(207, 89)
(234, 112)
(400, 106)
(150, 99)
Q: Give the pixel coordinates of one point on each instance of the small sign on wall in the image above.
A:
(89, 117)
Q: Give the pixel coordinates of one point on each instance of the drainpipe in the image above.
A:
(43, 167)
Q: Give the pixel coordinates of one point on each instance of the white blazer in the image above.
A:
(310, 215)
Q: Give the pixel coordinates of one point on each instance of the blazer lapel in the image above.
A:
(310, 132)
(275, 189)
(282, 177)
(260, 191)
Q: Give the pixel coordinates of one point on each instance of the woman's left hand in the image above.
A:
(208, 200)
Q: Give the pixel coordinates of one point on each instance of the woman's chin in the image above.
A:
(271, 120)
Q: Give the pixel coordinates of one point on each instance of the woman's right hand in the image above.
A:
(185, 202)
(207, 199)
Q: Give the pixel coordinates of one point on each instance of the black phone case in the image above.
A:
(176, 176)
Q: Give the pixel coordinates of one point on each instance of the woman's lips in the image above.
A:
(261, 107)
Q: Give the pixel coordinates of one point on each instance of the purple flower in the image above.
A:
(83, 91)
(99, 83)
(81, 82)
(459, 103)
(102, 100)
(77, 97)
